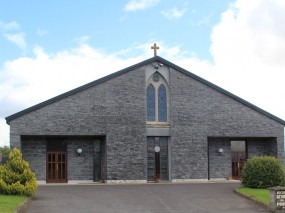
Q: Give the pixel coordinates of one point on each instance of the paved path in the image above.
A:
(144, 198)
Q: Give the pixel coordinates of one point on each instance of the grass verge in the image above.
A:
(9, 203)
(261, 195)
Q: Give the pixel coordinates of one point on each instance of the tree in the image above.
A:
(5, 150)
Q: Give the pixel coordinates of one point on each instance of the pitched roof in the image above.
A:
(148, 61)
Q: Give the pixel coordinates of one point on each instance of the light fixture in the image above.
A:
(220, 151)
(79, 151)
(157, 149)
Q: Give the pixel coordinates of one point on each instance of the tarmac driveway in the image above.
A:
(141, 198)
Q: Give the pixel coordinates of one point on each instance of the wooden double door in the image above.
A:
(56, 166)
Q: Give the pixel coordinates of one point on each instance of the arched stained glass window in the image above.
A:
(157, 100)
(162, 104)
(150, 96)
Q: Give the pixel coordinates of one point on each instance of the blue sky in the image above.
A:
(109, 25)
(50, 47)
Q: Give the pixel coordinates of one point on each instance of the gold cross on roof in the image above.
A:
(154, 47)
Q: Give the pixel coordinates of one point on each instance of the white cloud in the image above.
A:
(248, 47)
(17, 38)
(256, 28)
(4, 133)
(173, 13)
(134, 5)
(9, 25)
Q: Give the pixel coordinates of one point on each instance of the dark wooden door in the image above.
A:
(56, 167)
(157, 161)
(151, 173)
(238, 149)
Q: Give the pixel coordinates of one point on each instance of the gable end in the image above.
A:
(143, 63)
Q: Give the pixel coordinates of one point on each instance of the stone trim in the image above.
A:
(218, 179)
(71, 182)
(188, 180)
(126, 181)
(41, 182)
(158, 131)
(80, 181)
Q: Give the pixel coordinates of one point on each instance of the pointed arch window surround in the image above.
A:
(157, 99)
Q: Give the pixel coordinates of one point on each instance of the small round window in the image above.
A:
(155, 78)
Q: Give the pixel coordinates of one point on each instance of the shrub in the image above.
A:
(16, 178)
(262, 172)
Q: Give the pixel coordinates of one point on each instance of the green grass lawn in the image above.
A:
(9, 203)
(258, 194)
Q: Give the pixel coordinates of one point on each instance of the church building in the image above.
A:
(152, 121)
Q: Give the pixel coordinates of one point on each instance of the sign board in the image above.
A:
(280, 199)
(277, 199)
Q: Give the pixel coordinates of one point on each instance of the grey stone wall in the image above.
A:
(199, 112)
(219, 164)
(80, 167)
(34, 152)
(126, 139)
(261, 146)
(115, 109)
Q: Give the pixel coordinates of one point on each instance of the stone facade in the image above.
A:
(115, 109)
(219, 163)
(80, 167)
(34, 151)
(199, 112)
(261, 146)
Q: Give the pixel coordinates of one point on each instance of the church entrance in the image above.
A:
(157, 158)
(56, 161)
